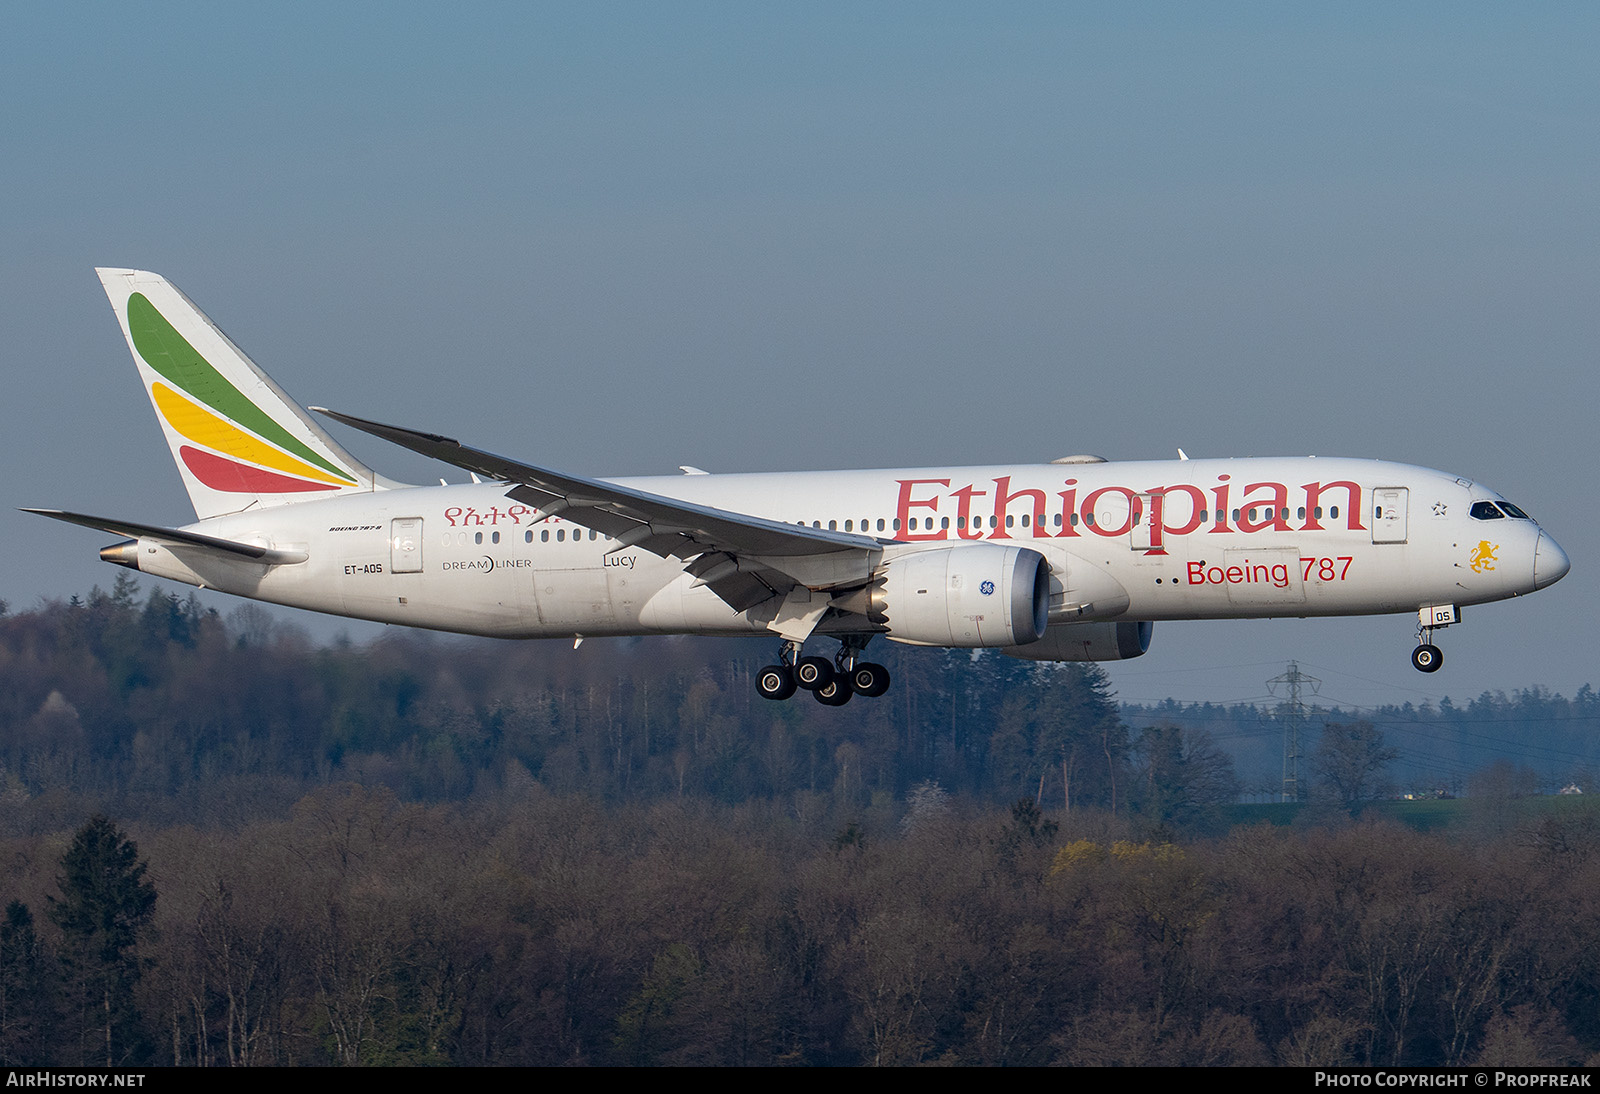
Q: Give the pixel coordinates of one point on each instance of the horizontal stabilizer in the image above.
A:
(173, 537)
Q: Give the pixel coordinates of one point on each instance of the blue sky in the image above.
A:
(619, 238)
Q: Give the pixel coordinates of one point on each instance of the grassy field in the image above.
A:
(1433, 814)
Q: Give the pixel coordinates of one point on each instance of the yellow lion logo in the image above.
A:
(1483, 556)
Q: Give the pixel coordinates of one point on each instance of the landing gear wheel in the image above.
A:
(869, 679)
(835, 693)
(813, 673)
(1427, 658)
(775, 682)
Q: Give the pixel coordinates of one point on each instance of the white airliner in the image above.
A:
(1072, 560)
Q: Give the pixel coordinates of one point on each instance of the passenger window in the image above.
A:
(880, 524)
(527, 537)
(544, 535)
(944, 522)
(1333, 513)
(477, 537)
(561, 535)
(494, 537)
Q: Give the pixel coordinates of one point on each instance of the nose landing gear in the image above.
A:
(1427, 657)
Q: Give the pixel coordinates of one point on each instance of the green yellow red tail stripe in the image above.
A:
(238, 439)
(229, 466)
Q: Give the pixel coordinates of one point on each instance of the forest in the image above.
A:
(225, 845)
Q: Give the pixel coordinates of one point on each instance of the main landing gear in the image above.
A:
(830, 683)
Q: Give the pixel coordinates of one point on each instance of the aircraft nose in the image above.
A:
(1550, 562)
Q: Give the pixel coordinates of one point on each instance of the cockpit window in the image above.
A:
(1485, 510)
(1513, 511)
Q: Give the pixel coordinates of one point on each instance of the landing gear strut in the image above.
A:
(1427, 657)
(831, 684)
(777, 681)
(866, 678)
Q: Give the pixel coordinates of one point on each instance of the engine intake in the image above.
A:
(977, 595)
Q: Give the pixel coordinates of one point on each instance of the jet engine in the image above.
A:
(1088, 642)
(985, 594)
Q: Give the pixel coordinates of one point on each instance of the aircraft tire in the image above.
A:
(813, 673)
(869, 679)
(835, 693)
(775, 682)
(1427, 658)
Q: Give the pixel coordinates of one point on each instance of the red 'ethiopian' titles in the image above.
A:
(1114, 511)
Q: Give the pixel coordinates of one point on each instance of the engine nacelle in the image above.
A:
(983, 594)
(1088, 642)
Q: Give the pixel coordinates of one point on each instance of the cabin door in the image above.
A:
(1389, 514)
(405, 545)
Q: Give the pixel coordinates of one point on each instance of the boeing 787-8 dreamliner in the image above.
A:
(1072, 560)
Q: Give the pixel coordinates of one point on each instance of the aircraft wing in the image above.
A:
(174, 537)
(744, 559)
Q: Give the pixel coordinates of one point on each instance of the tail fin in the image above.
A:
(238, 440)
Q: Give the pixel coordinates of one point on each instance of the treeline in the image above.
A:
(1438, 747)
(155, 708)
(432, 850)
(543, 929)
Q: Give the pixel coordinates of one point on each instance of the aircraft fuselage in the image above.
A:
(1159, 540)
